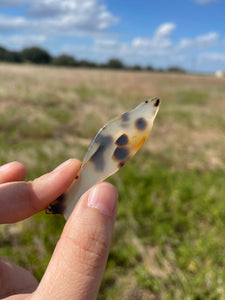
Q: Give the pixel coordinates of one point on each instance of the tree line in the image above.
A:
(37, 55)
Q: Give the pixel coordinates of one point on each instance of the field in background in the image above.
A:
(169, 236)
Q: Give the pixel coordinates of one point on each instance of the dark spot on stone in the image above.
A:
(121, 153)
(141, 123)
(104, 140)
(56, 207)
(121, 164)
(157, 103)
(76, 177)
(98, 157)
(122, 140)
(146, 101)
(125, 117)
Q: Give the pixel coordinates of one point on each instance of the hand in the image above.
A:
(77, 265)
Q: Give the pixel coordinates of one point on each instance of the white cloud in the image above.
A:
(207, 40)
(112, 48)
(165, 30)
(72, 16)
(159, 43)
(9, 24)
(67, 17)
(210, 39)
(213, 57)
(16, 42)
(211, 61)
(19, 41)
(158, 50)
(206, 1)
(106, 43)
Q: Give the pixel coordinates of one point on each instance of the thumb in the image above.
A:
(79, 260)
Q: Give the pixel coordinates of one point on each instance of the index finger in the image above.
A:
(20, 200)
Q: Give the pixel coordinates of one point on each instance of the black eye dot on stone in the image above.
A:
(157, 103)
(122, 140)
(146, 101)
(121, 153)
(141, 123)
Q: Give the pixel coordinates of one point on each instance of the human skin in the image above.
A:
(77, 265)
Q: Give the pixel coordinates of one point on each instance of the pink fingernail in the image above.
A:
(6, 166)
(103, 197)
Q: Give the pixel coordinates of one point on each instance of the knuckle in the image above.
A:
(91, 248)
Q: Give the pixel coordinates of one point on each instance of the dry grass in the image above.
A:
(172, 240)
(186, 132)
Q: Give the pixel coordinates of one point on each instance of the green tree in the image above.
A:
(3, 52)
(9, 56)
(36, 55)
(115, 63)
(87, 64)
(64, 60)
(149, 68)
(14, 57)
(176, 69)
(136, 68)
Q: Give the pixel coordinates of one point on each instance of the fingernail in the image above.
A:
(67, 162)
(103, 197)
(6, 166)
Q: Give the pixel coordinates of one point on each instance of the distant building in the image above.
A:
(219, 74)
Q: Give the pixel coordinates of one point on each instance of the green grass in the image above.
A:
(192, 97)
(168, 241)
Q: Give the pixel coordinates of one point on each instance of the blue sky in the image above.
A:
(162, 33)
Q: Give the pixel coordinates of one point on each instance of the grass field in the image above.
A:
(169, 240)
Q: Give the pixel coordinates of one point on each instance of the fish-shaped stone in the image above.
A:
(112, 146)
